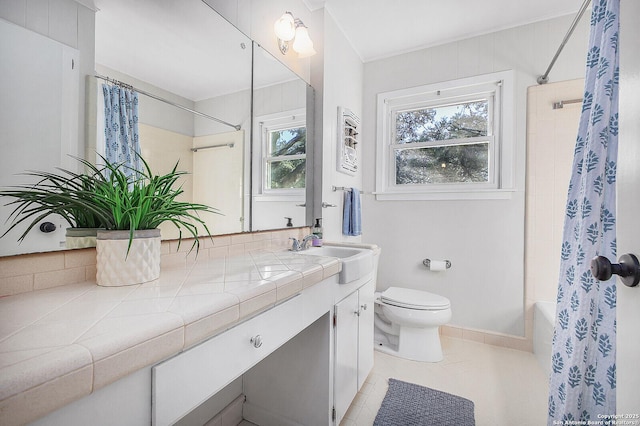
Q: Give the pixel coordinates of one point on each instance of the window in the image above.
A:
(285, 160)
(447, 138)
(283, 157)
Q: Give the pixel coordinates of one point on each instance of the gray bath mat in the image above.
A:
(408, 404)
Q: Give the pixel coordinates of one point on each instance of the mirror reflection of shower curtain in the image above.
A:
(121, 141)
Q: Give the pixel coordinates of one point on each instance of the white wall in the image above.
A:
(483, 239)
(343, 76)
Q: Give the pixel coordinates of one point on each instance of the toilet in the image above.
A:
(407, 323)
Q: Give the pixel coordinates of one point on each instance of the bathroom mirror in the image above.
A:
(186, 54)
(183, 53)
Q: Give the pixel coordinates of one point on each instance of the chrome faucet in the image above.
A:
(297, 245)
(305, 240)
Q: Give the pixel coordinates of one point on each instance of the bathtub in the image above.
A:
(544, 317)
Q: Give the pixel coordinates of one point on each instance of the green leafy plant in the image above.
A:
(111, 196)
(60, 194)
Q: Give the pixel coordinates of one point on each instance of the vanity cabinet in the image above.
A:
(183, 382)
(289, 360)
(353, 361)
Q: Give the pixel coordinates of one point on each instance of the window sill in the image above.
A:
(488, 194)
(280, 198)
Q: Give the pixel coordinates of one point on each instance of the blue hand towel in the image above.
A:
(346, 213)
(351, 217)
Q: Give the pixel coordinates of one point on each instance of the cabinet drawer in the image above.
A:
(185, 381)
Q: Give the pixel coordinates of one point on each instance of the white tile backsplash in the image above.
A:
(550, 144)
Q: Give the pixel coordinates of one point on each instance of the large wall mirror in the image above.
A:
(239, 130)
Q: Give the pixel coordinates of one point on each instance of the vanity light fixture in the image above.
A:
(292, 30)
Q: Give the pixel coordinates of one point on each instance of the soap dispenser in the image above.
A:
(317, 231)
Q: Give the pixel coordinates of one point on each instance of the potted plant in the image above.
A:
(127, 205)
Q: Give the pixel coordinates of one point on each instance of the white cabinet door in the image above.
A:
(365, 331)
(628, 231)
(346, 354)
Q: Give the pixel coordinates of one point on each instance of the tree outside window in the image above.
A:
(286, 158)
(443, 144)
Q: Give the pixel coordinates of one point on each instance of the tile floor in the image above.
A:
(507, 386)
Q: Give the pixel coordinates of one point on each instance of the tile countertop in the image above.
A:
(60, 344)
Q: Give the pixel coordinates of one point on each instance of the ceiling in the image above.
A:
(382, 28)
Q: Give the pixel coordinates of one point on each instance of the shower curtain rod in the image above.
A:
(544, 78)
(142, 92)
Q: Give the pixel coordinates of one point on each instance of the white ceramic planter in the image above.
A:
(117, 268)
(80, 237)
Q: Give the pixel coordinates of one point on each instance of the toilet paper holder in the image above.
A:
(427, 263)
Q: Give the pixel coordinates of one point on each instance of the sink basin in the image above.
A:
(356, 262)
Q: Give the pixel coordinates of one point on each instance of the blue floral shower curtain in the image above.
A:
(122, 143)
(583, 377)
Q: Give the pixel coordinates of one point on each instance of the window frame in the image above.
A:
(497, 88)
(276, 122)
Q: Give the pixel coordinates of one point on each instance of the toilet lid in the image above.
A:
(414, 299)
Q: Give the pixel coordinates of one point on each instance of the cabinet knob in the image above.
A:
(364, 307)
(357, 313)
(256, 341)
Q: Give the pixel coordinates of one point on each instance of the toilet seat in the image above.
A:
(414, 299)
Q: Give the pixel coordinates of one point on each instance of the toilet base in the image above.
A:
(383, 340)
(384, 348)
(408, 333)
(416, 344)
(420, 344)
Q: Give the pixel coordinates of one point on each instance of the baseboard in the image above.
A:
(489, 338)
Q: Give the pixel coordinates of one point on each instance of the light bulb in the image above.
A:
(302, 43)
(284, 27)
